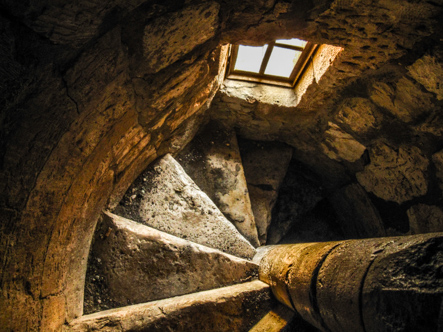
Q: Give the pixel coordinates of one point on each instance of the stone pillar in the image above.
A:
(383, 284)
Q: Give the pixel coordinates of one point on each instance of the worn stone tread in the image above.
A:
(133, 263)
(170, 201)
(235, 308)
(214, 162)
(275, 320)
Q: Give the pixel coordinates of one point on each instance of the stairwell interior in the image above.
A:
(143, 191)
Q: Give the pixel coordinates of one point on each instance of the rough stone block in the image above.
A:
(132, 263)
(428, 71)
(339, 145)
(232, 309)
(169, 38)
(404, 98)
(359, 114)
(395, 175)
(167, 199)
(213, 161)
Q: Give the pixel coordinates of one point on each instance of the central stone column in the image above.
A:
(381, 284)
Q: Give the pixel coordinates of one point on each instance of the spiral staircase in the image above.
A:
(177, 253)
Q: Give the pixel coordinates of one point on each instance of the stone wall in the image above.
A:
(371, 121)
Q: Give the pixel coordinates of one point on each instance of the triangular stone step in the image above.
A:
(213, 161)
(132, 263)
(299, 193)
(232, 308)
(265, 165)
(282, 319)
(276, 320)
(165, 198)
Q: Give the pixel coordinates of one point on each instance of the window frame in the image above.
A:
(261, 77)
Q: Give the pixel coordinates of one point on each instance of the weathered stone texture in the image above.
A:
(397, 295)
(75, 133)
(339, 145)
(289, 273)
(321, 61)
(169, 200)
(213, 161)
(132, 263)
(170, 37)
(405, 100)
(395, 175)
(275, 320)
(425, 219)
(235, 309)
(428, 71)
(359, 114)
(75, 24)
(384, 284)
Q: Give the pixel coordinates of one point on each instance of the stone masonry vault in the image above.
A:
(92, 92)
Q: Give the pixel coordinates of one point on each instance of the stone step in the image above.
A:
(282, 319)
(213, 161)
(232, 309)
(276, 320)
(165, 197)
(299, 194)
(131, 263)
(265, 165)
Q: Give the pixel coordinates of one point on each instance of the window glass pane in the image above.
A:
(293, 42)
(282, 62)
(249, 58)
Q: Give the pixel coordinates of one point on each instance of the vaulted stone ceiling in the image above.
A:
(92, 92)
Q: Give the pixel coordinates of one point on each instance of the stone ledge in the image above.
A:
(233, 308)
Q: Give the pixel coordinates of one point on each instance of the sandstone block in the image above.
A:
(167, 199)
(213, 161)
(232, 309)
(133, 263)
(339, 145)
(428, 71)
(170, 37)
(404, 99)
(395, 175)
(359, 114)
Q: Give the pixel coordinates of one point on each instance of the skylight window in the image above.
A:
(278, 63)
